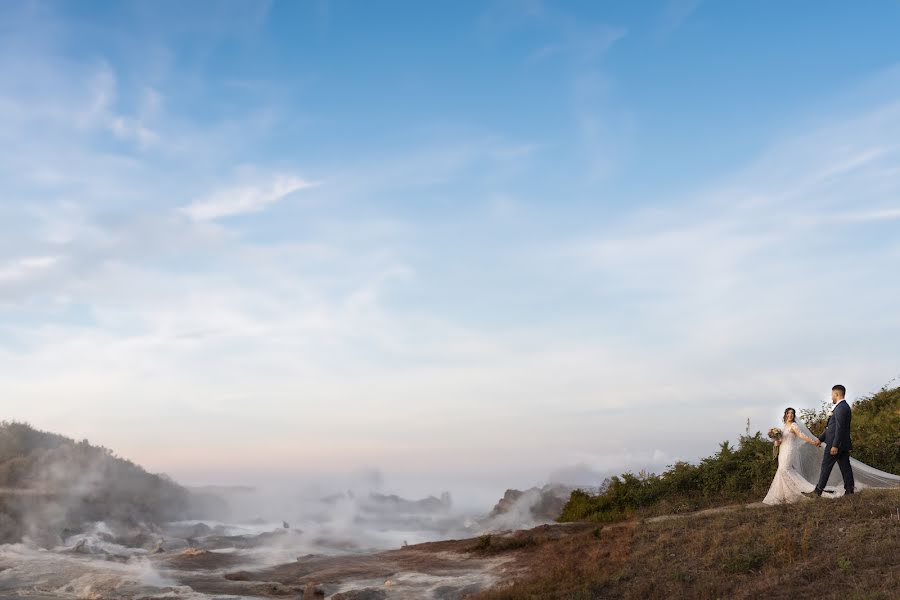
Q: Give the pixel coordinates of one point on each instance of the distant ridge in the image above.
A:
(51, 485)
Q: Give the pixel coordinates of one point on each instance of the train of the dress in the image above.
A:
(809, 463)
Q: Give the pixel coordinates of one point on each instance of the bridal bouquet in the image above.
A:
(775, 436)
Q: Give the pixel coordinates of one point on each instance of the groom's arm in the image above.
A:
(840, 423)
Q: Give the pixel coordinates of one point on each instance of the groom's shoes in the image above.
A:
(817, 493)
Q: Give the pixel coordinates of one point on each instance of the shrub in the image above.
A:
(736, 473)
(73, 482)
(875, 428)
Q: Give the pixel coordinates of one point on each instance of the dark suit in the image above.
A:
(837, 435)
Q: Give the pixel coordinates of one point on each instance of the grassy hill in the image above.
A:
(740, 473)
(51, 483)
(845, 548)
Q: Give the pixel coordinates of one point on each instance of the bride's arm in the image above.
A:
(802, 436)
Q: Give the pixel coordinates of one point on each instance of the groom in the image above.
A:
(837, 442)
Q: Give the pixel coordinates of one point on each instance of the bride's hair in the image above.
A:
(786, 411)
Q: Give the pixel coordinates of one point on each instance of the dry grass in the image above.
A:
(845, 548)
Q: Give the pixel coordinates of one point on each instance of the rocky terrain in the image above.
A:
(195, 560)
(80, 522)
(101, 539)
(52, 486)
(735, 552)
(540, 504)
(259, 558)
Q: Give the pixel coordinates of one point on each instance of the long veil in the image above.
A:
(810, 464)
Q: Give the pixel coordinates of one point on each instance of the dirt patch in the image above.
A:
(831, 549)
(432, 559)
(196, 559)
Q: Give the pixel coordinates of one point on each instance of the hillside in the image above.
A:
(845, 548)
(51, 485)
(736, 473)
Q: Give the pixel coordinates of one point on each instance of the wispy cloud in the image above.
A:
(675, 13)
(579, 46)
(23, 268)
(890, 214)
(449, 289)
(756, 264)
(849, 218)
(245, 199)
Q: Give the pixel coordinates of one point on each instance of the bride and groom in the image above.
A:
(798, 457)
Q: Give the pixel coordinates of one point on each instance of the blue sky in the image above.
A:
(481, 240)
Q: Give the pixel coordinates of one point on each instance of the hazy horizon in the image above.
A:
(474, 244)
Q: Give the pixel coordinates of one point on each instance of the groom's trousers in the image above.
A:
(842, 458)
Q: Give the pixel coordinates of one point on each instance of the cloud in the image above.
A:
(307, 332)
(130, 129)
(393, 315)
(760, 272)
(23, 268)
(673, 16)
(245, 199)
(886, 214)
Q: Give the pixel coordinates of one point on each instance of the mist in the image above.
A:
(82, 522)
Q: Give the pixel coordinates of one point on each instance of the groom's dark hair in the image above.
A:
(841, 389)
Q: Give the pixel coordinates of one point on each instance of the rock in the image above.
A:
(285, 525)
(447, 592)
(171, 545)
(313, 592)
(362, 594)
(425, 505)
(275, 537)
(189, 531)
(545, 503)
(506, 502)
(146, 540)
(43, 538)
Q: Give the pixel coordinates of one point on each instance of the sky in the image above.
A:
(444, 242)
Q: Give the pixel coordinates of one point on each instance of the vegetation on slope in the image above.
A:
(739, 473)
(733, 474)
(845, 548)
(51, 483)
(875, 428)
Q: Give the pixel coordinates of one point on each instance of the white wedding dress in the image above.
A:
(799, 466)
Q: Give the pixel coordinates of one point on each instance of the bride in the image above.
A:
(799, 461)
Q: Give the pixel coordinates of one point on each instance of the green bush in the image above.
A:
(875, 428)
(731, 474)
(736, 474)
